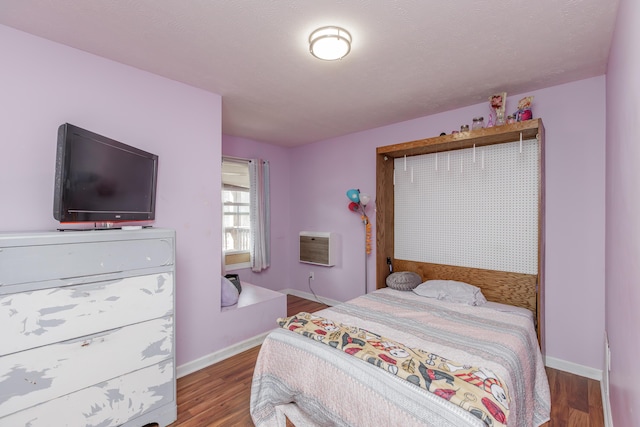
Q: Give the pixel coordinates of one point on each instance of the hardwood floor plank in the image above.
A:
(559, 402)
(218, 395)
(578, 389)
(595, 395)
(296, 304)
(596, 411)
(578, 419)
(575, 400)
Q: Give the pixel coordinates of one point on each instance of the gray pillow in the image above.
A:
(403, 280)
(229, 293)
(451, 291)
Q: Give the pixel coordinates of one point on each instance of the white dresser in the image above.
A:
(87, 328)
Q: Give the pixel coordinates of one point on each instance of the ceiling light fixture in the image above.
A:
(330, 43)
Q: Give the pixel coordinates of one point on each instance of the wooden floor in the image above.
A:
(219, 394)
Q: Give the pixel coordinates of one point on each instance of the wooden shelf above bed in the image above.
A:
(532, 295)
(487, 136)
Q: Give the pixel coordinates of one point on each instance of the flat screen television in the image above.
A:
(99, 179)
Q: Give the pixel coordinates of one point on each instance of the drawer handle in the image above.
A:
(88, 340)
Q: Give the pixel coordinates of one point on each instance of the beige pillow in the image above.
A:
(403, 280)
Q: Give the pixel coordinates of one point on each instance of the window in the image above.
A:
(246, 217)
(235, 215)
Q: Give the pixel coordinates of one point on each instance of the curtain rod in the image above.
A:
(234, 159)
(240, 159)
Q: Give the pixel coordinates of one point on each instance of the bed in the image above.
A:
(311, 383)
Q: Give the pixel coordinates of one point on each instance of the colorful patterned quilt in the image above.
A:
(313, 384)
(463, 385)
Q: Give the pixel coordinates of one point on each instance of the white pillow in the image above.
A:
(451, 291)
(228, 293)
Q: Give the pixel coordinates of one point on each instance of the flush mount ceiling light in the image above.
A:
(330, 43)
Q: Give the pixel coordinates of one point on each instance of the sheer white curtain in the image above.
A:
(260, 216)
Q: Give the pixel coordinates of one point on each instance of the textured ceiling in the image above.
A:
(410, 58)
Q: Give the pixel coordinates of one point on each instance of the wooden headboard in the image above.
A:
(498, 286)
(522, 290)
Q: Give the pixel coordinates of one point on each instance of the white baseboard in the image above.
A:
(219, 356)
(309, 296)
(573, 368)
(606, 406)
(604, 384)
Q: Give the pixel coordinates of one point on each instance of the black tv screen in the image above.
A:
(99, 179)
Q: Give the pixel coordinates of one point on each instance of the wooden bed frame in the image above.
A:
(499, 286)
(522, 290)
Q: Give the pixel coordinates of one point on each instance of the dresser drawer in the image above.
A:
(37, 318)
(35, 376)
(110, 403)
(35, 263)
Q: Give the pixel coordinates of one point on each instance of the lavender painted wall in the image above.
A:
(623, 215)
(574, 118)
(276, 277)
(44, 84)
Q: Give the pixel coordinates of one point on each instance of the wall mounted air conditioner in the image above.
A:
(318, 248)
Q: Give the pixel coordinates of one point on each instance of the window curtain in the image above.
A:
(223, 267)
(260, 216)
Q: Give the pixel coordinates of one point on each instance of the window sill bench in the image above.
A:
(253, 295)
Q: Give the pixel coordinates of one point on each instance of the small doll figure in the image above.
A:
(524, 109)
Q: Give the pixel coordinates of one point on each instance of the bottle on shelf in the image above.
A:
(478, 123)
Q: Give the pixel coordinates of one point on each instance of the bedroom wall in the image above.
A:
(623, 215)
(44, 84)
(276, 277)
(574, 119)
